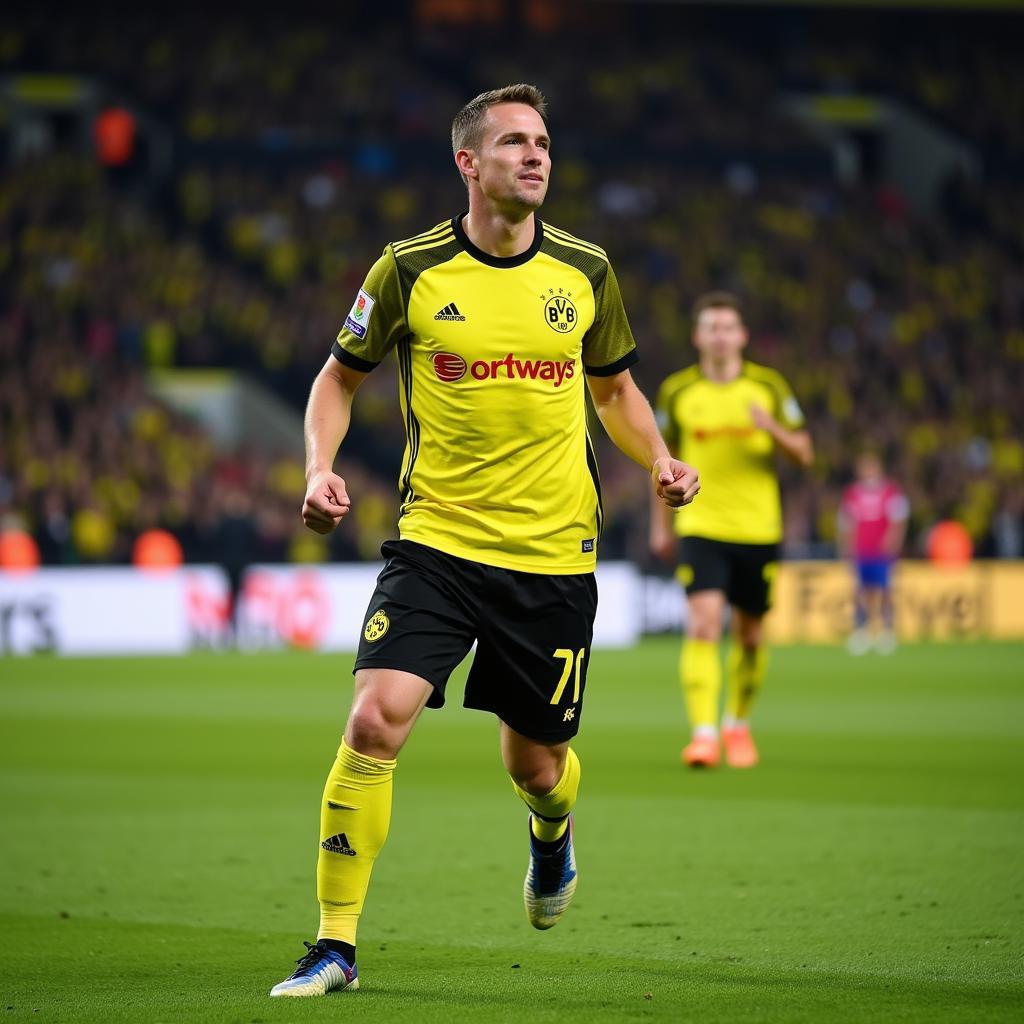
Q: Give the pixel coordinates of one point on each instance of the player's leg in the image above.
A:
(747, 665)
(704, 571)
(700, 673)
(546, 778)
(355, 813)
(859, 641)
(417, 629)
(750, 592)
(885, 641)
(530, 670)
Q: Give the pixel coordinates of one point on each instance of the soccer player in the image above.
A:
(495, 318)
(729, 416)
(872, 527)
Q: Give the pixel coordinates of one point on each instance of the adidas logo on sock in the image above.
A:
(338, 844)
(450, 312)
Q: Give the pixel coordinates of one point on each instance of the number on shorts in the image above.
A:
(569, 657)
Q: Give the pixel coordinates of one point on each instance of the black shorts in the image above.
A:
(532, 631)
(744, 572)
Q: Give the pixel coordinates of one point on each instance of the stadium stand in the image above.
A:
(287, 169)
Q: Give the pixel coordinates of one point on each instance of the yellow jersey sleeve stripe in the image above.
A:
(424, 236)
(577, 243)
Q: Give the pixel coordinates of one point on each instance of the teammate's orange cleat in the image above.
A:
(740, 751)
(702, 752)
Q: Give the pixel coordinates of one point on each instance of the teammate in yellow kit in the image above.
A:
(495, 319)
(728, 416)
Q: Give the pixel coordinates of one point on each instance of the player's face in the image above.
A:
(513, 160)
(720, 334)
(869, 468)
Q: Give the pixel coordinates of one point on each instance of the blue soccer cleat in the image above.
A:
(320, 971)
(551, 879)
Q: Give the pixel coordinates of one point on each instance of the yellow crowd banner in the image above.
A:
(813, 601)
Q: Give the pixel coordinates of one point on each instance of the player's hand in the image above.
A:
(762, 418)
(675, 482)
(327, 502)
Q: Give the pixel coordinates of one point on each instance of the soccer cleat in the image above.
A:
(702, 752)
(858, 642)
(885, 642)
(320, 971)
(740, 751)
(550, 879)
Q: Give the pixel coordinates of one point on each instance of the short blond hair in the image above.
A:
(468, 125)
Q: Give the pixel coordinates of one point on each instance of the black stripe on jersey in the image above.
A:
(628, 360)
(411, 264)
(412, 425)
(434, 234)
(595, 267)
(596, 477)
(347, 359)
(428, 243)
(564, 236)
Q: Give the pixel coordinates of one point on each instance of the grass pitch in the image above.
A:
(159, 841)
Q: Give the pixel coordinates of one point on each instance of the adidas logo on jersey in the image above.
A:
(338, 844)
(450, 312)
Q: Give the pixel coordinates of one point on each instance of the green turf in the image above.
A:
(159, 838)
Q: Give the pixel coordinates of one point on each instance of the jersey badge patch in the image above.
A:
(377, 626)
(358, 318)
(559, 312)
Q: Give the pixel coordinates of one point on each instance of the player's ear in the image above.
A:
(465, 161)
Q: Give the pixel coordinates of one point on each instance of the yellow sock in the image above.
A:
(354, 818)
(551, 810)
(700, 672)
(746, 674)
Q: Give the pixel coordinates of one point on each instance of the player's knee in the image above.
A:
(372, 731)
(704, 628)
(750, 637)
(537, 780)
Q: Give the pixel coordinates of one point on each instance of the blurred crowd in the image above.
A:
(899, 329)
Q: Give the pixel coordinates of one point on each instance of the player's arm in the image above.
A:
(795, 444)
(898, 509)
(627, 417)
(328, 415)
(373, 326)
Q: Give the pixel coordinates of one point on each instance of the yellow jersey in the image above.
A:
(710, 425)
(498, 465)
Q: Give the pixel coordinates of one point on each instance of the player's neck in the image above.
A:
(721, 372)
(494, 233)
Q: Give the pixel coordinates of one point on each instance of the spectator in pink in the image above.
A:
(872, 527)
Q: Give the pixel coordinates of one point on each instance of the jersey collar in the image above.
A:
(499, 261)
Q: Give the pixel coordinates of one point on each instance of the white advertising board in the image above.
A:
(322, 608)
(112, 611)
(96, 611)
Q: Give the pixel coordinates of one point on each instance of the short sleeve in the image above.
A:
(787, 408)
(897, 508)
(609, 347)
(377, 320)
